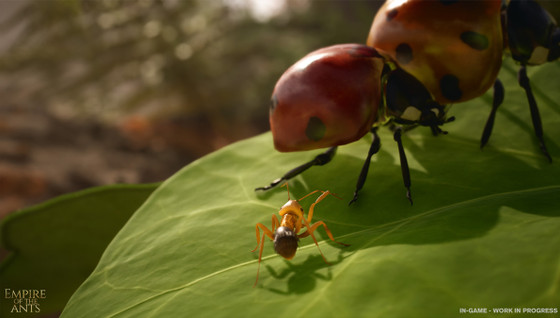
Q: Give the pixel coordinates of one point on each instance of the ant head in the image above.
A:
(285, 242)
(292, 206)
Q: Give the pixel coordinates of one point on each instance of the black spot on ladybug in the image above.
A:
(273, 103)
(475, 40)
(449, 85)
(315, 129)
(448, 2)
(391, 14)
(404, 53)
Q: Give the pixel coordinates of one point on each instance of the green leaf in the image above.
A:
(56, 245)
(483, 230)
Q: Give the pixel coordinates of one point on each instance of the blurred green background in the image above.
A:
(103, 92)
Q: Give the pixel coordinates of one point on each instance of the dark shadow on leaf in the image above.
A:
(457, 196)
(302, 278)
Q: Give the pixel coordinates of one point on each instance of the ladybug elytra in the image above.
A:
(454, 49)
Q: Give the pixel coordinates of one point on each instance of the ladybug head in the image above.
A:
(330, 97)
(409, 102)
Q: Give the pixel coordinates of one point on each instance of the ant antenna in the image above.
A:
(287, 189)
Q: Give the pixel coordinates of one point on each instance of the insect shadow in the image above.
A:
(302, 278)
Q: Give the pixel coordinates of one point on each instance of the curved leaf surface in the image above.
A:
(54, 246)
(482, 233)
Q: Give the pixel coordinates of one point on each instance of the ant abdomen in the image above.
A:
(285, 242)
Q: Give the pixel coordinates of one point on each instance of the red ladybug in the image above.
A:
(337, 94)
(314, 107)
(455, 48)
(422, 54)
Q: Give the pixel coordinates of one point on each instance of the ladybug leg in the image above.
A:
(535, 116)
(404, 163)
(319, 160)
(497, 101)
(373, 149)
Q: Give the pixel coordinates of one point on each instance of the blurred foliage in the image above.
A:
(212, 61)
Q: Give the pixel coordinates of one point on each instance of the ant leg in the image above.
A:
(319, 160)
(308, 220)
(535, 116)
(305, 196)
(266, 232)
(260, 255)
(373, 149)
(319, 199)
(310, 193)
(404, 163)
(312, 228)
(498, 98)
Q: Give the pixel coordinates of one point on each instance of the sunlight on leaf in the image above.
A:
(483, 230)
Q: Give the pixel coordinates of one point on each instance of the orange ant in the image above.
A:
(285, 233)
